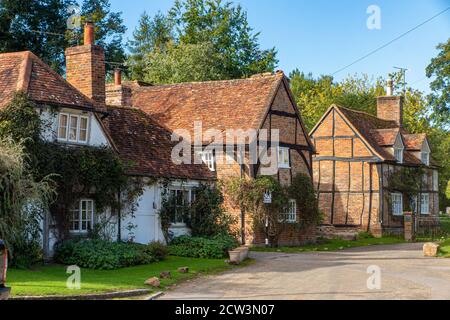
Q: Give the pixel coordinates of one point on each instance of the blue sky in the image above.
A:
(322, 36)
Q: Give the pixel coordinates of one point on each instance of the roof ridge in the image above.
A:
(24, 77)
(368, 114)
(210, 82)
(39, 61)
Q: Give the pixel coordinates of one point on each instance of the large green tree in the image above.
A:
(109, 30)
(151, 37)
(214, 27)
(41, 26)
(315, 95)
(439, 68)
(38, 26)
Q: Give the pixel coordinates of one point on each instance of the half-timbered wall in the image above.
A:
(284, 117)
(345, 175)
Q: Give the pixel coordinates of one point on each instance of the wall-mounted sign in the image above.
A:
(268, 197)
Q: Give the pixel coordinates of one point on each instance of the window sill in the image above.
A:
(74, 143)
(178, 225)
(284, 167)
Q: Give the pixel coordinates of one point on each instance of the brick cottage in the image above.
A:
(356, 153)
(263, 101)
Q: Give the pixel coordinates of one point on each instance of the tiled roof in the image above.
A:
(381, 134)
(414, 142)
(220, 105)
(385, 137)
(147, 146)
(23, 71)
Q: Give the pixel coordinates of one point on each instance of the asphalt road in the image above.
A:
(403, 274)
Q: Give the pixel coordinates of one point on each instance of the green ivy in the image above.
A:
(77, 172)
(407, 181)
(248, 194)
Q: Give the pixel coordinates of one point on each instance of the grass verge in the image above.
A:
(51, 279)
(334, 245)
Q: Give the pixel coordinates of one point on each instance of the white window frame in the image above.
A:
(209, 160)
(191, 198)
(284, 158)
(435, 180)
(77, 139)
(66, 127)
(425, 204)
(80, 220)
(290, 213)
(399, 154)
(425, 161)
(397, 204)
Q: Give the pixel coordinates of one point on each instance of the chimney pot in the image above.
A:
(89, 38)
(117, 77)
(390, 88)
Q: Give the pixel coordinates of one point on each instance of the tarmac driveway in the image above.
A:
(405, 274)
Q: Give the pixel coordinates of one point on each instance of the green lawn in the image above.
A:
(334, 245)
(51, 280)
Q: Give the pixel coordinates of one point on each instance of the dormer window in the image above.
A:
(399, 149)
(73, 128)
(426, 158)
(209, 159)
(399, 154)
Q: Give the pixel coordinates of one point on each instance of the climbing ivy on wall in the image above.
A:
(407, 181)
(248, 194)
(77, 172)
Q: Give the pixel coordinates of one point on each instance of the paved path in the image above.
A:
(405, 274)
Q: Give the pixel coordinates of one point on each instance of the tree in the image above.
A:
(192, 26)
(183, 63)
(38, 26)
(315, 95)
(152, 35)
(109, 30)
(440, 98)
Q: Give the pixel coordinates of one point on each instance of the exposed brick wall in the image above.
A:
(343, 164)
(118, 95)
(85, 70)
(348, 188)
(291, 133)
(391, 109)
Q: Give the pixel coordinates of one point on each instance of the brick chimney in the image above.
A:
(390, 107)
(85, 67)
(119, 94)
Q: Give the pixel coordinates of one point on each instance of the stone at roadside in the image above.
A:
(153, 282)
(183, 270)
(431, 249)
(165, 275)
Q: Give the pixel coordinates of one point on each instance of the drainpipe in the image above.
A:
(119, 217)
(241, 156)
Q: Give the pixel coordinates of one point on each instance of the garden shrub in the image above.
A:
(104, 255)
(208, 248)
